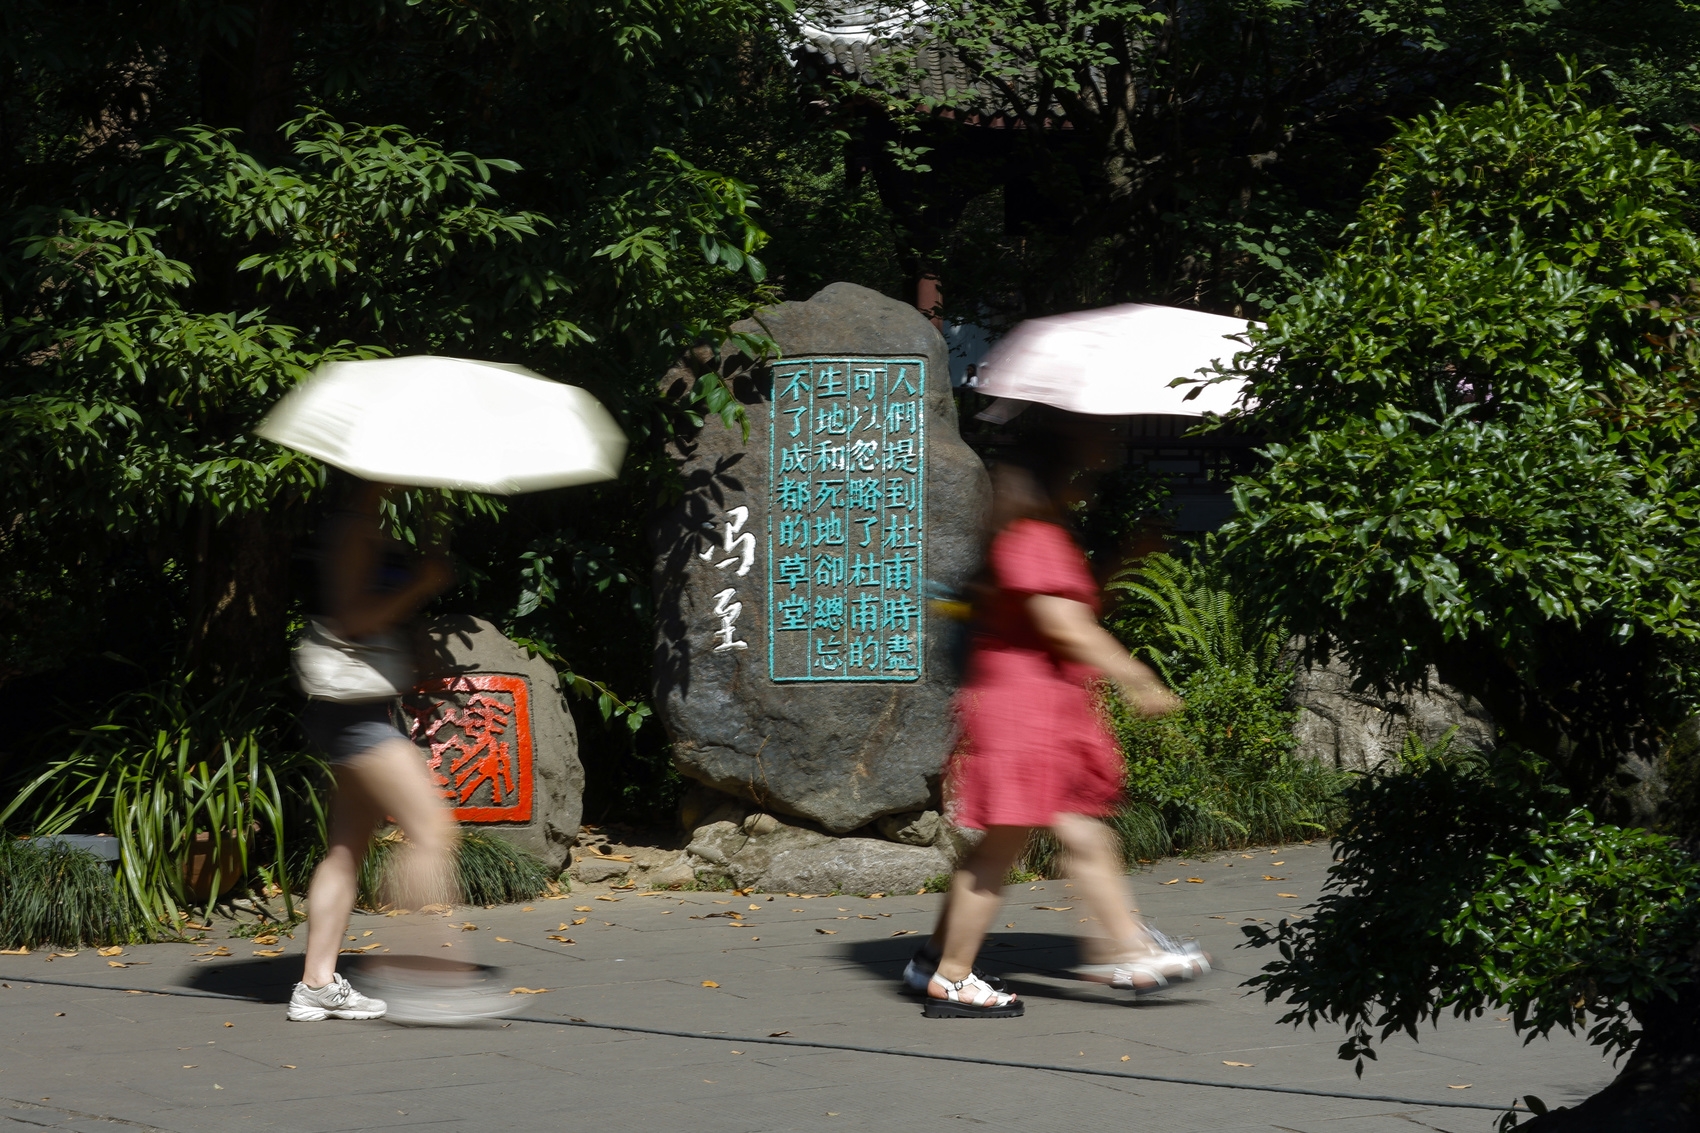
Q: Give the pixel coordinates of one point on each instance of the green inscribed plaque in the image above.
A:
(847, 465)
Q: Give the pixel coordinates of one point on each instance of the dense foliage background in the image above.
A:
(1477, 384)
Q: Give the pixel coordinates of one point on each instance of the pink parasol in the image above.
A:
(1114, 361)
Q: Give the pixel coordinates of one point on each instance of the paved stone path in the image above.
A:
(820, 969)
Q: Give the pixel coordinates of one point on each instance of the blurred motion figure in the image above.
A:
(1034, 752)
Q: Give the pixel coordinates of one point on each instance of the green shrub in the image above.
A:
(1221, 772)
(491, 872)
(1473, 884)
(58, 894)
(168, 762)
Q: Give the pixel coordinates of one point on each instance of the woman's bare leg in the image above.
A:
(390, 780)
(1094, 861)
(331, 892)
(976, 892)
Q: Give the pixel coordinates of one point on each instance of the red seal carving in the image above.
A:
(478, 731)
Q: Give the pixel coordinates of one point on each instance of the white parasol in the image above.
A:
(432, 422)
(1114, 361)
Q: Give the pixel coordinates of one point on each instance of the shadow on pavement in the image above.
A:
(1034, 965)
(263, 981)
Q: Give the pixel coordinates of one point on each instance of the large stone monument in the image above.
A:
(497, 738)
(797, 663)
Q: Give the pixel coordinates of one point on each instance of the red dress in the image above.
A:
(1033, 745)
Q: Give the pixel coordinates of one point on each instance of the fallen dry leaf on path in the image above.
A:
(1127, 1057)
(268, 952)
(1171, 881)
(288, 1065)
(221, 950)
(1196, 880)
(1266, 877)
(605, 897)
(1465, 1086)
(115, 950)
(1055, 908)
(1277, 863)
(269, 938)
(777, 1034)
(1225, 1062)
(580, 920)
(528, 991)
(14, 951)
(504, 940)
(562, 939)
(905, 932)
(827, 931)
(365, 948)
(1294, 895)
(709, 983)
(581, 908)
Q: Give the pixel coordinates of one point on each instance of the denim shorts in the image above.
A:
(343, 731)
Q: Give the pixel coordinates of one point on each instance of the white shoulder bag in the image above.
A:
(328, 667)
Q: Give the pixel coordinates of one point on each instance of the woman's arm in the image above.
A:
(354, 607)
(1072, 631)
(367, 613)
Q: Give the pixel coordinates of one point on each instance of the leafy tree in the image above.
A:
(1212, 150)
(196, 218)
(129, 404)
(1487, 462)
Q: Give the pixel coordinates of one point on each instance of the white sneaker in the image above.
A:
(336, 1000)
(431, 996)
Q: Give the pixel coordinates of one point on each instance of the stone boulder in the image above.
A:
(801, 720)
(764, 854)
(498, 738)
(1361, 731)
(917, 828)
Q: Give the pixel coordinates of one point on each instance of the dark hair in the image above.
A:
(1028, 480)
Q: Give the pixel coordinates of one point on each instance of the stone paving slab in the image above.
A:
(819, 969)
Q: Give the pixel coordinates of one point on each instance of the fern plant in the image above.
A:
(1184, 618)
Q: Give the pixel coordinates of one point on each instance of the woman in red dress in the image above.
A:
(1035, 753)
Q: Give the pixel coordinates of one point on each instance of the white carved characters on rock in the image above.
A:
(739, 547)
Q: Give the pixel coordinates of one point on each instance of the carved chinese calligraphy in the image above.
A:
(845, 562)
(478, 731)
(740, 551)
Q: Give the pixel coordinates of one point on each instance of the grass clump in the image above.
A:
(55, 894)
(488, 869)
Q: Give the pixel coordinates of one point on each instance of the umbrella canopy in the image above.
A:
(1114, 361)
(433, 422)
